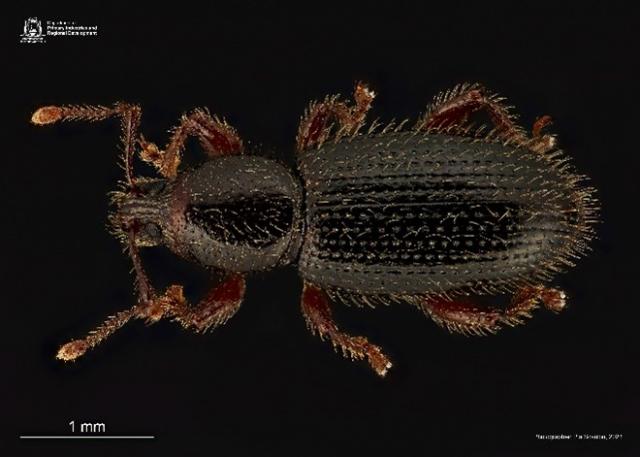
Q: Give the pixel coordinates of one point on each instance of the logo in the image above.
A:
(32, 31)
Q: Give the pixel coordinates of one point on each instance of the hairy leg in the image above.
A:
(540, 142)
(452, 109)
(215, 135)
(216, 308)
(315, 125)
(470, 319)
(318, 316)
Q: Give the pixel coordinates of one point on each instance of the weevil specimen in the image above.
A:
(429, 216)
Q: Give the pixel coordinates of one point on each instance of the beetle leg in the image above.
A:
(216, 308)
(129, 114)
(461, 316)
(528, 298)
(317, 121)
(540, 142)
(467, 318)
(318, 316)
(215, 135)
(451, 109)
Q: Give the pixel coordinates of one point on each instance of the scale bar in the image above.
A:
(87, 437)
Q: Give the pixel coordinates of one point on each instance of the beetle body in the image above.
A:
(428, 216)
(392, 214)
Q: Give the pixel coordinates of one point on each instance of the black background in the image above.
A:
(262, 385)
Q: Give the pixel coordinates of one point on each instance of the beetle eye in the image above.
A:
(157, 188)
(153, 188)
(152, 231)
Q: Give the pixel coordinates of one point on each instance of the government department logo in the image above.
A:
(32, 31)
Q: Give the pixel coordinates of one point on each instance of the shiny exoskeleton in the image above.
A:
(427, 216)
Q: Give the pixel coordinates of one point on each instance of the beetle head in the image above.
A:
(140, 209)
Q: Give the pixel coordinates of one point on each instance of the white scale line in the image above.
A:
(85, 437)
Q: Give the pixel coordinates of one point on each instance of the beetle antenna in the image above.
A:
(76, 348)
(145, 289)
(130, 118)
